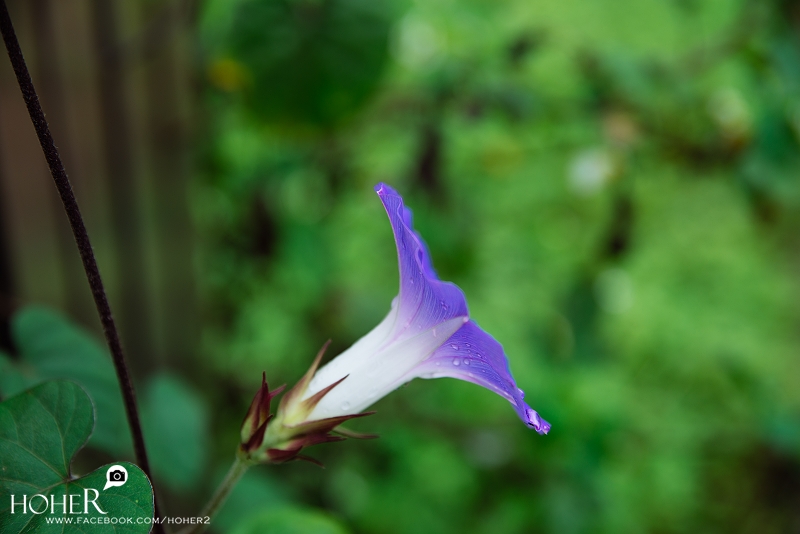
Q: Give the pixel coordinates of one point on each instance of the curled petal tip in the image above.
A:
(534, 421)
(383, 189)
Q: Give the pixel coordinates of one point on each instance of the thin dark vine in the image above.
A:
(81, 235)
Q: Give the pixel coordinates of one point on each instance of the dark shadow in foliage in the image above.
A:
(311, 62)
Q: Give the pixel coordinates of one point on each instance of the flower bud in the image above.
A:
(258, 415)
(278, 438)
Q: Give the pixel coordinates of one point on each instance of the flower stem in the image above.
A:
(239, 468)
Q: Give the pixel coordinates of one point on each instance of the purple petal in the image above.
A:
(473, 355)
(408, 221)
(425, 301)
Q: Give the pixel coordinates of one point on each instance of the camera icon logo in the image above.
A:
(116, 476)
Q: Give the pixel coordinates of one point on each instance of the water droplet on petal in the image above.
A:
(470, 374)
(434, 332)
(467, 345)
(466, 361)
(345, 406)
(456, 361)
(438, 363)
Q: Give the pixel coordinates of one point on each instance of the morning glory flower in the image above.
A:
(428, 333)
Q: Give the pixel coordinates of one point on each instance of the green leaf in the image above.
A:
(51, 347)
(175, 421)
(291, 521)
(40, 432)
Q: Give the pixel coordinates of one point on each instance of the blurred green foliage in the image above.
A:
(615, 185)
(174, 417)
(290, 521)
(175, 424)
(302, 62)
(51, 347)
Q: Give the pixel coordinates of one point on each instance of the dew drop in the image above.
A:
(434, 332)
(345, 406)
(456, 361)
(467, 345)
(453, 346)
(470, 374)
(466, 361)
(438, 363)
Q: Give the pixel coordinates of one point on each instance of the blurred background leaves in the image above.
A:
(175, 422)
(304, 62)
(50, 347)
(291, 521)
(614, 184)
